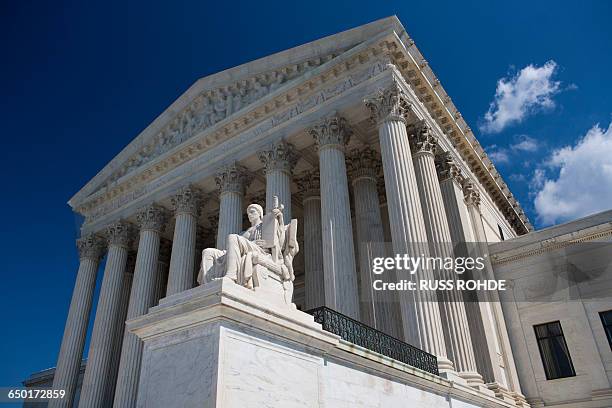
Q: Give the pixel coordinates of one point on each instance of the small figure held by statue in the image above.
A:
(260, 258)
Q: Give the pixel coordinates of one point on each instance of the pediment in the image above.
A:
(217, 97)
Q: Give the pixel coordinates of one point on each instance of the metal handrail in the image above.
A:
(358, 333)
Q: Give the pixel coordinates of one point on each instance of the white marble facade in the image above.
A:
(284, 126)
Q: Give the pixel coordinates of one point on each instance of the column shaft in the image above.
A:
(420, 312)
(337, 232)
(314, 279)
(279, 161)
(230, 216)
(96, 377)
(119, 330)
(186, 204)
(278, 183)
(163, 265)
(231, 181)
(377, 308)
(151, 221)
(183, 253)
(499, 376)
(71, 351)
(452, 306)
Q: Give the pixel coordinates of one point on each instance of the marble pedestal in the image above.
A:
(222, 345)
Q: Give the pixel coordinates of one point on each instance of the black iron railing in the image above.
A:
(365, 336)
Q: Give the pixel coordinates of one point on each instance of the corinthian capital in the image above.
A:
(120, 234)
(470, 193)
(332, 131)
(363, 163)
(308, 184)
(232, 178)
(152, 217)
(187, 200)
(422, 139)
(91, 247)
(280, 156)
(447, 169)
(388, 105)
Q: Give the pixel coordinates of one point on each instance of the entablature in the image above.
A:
(293, 96)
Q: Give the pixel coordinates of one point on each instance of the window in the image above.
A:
(606, 319)
(501, 232)
(553, 350)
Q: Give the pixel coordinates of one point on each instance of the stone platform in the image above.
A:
(221, 345)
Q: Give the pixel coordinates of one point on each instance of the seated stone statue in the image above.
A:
(260, 258)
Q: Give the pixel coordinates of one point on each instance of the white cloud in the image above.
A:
(502, 155)
(516, 97)
(525, 144)
(498, 155)
(583, 185)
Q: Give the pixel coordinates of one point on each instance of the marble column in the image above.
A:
(186, 205)
(151, 220)
(419, 310)
(163, 266)
(279, 161)
(231, 182)
(498, 366)
(119, 328)
(314, 278)
(331, 136)
(68, 366)
(95, 380)
(364, 169)
(423, 144)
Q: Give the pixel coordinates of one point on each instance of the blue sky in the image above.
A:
(79, 81)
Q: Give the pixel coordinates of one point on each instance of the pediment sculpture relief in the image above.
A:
(211, 107)
(260, 258)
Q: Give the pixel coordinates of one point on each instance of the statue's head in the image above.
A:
(255, 213)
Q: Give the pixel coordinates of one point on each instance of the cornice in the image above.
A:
(551, 244)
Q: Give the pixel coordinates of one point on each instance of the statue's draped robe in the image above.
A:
(235, 262)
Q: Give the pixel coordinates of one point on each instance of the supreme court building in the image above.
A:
(360, 142)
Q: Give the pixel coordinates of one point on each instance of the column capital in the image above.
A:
(90, 246)
(422, 138)
(152, 217)
(120, 234)
(333, 131)
(447, 169)
(309, 184)
(187, 200)
(364, 163)
(232, 178)
(470, 193)
(390, 104)
(279, 156)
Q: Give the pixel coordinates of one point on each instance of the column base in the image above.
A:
(535, 402)
(447, 371)
(504, 394)
(520, 400)
(475, 381)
